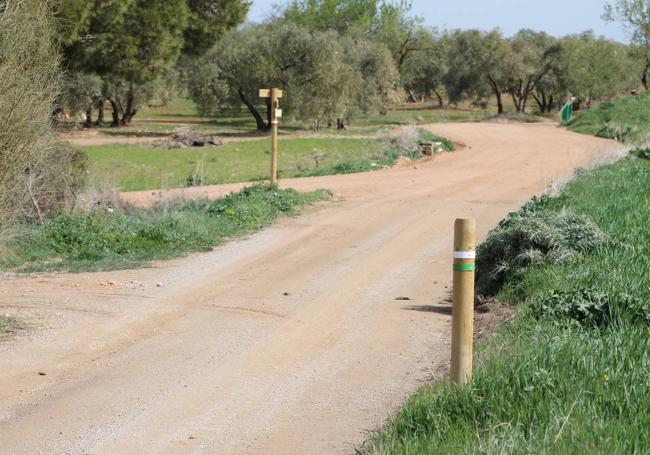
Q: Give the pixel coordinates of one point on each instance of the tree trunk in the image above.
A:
(644, 75)
(89, 117)
(130, 110)
(340, 124)
(541, 102)
(497, 94)
(441, 103)
(100, 112)
(115, 112)
(253, 110)
(499, 97)
(411, 96)
(551, 103)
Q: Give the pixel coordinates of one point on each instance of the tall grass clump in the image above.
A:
(118, 238)
(36, 175)
(571, 372)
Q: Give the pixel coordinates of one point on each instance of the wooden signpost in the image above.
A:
(462, 319)
(276, 113)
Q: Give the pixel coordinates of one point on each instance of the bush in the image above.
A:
(532, 236)
(36, 175)
(407, 142)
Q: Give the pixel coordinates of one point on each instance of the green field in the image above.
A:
(134, 168)
(571, 373)
(138, 167)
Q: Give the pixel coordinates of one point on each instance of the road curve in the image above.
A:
(290, 341)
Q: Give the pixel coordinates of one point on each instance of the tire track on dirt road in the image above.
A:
(289, 341)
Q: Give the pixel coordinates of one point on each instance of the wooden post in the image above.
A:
(274, 94)
(462, 331)
(274, 137)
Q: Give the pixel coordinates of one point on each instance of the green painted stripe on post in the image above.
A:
(464, 267)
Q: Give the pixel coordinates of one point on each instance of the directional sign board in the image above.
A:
(266, 93)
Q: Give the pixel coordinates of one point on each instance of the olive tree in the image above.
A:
(479, 63)
(422, 72)
(634, 15)
(321, 82)
(592, 68)
(534, 55)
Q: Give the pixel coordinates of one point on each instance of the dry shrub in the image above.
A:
(37, 176)
(407, 142)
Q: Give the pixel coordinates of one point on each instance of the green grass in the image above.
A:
(7, 324)
(626, 120)
(137, 167)
(571, 373)
(105, 240)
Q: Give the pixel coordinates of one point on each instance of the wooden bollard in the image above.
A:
(462, 330)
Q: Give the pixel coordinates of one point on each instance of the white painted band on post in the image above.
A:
(464, 254)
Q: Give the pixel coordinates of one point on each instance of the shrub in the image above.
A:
(407, 142)
(532, 236)
(36, 175)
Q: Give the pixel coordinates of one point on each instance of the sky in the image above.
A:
(557, 17)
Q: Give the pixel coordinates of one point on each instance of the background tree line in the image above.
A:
(334, 58)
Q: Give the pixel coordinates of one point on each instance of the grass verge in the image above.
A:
(626, 120)
(571, 373)
(106, 240)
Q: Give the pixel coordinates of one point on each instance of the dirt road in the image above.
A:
(290, 341)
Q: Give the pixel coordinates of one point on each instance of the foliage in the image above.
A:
(590, 307)
(107, 239)
(535, 56)
(593, 68)
(529, 237)
(355, 16)
(479, 63)
(570, 373)
(34, 170)
(643, 153)
(634, 15)
(98, 38)
(320, 82)
(209, 20)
